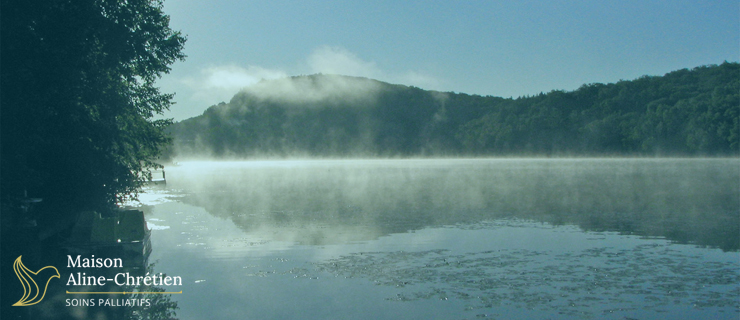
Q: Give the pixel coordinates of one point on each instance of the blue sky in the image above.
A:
(499, 48)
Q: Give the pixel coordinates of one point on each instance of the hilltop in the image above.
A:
(688, 112)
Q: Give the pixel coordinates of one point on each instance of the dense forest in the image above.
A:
(683, 113)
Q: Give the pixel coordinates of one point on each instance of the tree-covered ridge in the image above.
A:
(686, 112)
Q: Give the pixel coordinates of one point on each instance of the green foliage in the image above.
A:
(79, 98)
(684, 113)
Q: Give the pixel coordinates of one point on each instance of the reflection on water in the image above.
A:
(87, 286)
(688, 201)
(644, 278)
(451, 238)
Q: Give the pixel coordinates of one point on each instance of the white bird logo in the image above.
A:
(31, 289)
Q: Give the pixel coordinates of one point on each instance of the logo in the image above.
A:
(30, 281)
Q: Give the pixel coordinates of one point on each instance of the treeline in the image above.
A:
(683, 113)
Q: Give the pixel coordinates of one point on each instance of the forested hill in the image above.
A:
(683, 113)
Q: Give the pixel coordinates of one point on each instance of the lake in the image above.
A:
(450, 238)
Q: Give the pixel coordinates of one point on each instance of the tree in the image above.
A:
(79, 99)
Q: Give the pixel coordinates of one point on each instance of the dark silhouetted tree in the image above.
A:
(79, 100)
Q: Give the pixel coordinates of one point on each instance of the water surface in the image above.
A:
(451, 239)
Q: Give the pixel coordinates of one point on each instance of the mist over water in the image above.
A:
(452, 238)
(651, 197)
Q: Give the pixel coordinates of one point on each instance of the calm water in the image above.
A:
(450, 239)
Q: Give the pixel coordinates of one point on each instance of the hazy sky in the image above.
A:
(499, 48)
